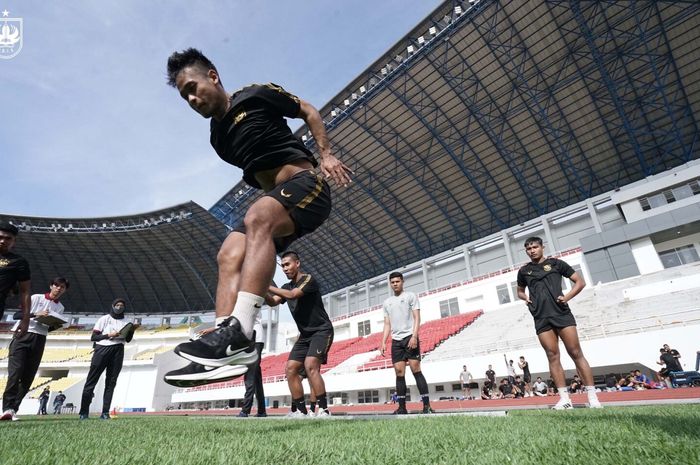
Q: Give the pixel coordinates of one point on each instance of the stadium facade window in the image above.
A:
(439, 388)
(456, 387)
(343, 397)
(364, 328)
(670, 195)
(368, 397)
(408, 394)
(503, 294)
(514, 288)
(679, 256)
(449, 307)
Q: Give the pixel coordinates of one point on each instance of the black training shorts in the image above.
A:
(558, 321)
(307, 198)
(401, 353)
(316, 345)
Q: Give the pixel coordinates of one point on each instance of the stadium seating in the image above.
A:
(64, 355)
(151, 353)
(54, 385)
(601, 311)
(432, 334)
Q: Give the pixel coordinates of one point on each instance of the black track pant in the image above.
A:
(22, 364)
(108, 358)
(254, 384)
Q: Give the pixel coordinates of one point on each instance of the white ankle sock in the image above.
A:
(247, 307)
(219, 319)
(590, 390)
(563, 393)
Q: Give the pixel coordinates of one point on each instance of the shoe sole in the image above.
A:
(224, 373)
(241, 358)
(563, 407)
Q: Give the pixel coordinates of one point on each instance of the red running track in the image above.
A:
(682, 395)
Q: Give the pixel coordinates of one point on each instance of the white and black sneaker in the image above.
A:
(195, 374)
(227, 345)
(563, 404)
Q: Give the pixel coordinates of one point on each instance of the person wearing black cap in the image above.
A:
(13, 270)
(109, 339)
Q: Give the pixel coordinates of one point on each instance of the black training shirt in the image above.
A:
(672, 363)
(13, 269)
(254, 136)
(543, 281)
(308, 310)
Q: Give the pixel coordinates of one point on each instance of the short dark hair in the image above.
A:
(181, 60)
(9, 228)
(533, 240)
(291, 253)
(396, 274)
(60, 280)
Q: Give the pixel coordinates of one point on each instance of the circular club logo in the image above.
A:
(10, 35)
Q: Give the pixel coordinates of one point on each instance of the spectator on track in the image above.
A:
(540, 388)
(465, 379)
(519, 387)
(506, 389)
(58, 402)
(641, 381)
(43, 400)
(670, 363)
(576, 385)
(491, 375)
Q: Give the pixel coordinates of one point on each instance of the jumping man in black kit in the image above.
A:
(248, 130)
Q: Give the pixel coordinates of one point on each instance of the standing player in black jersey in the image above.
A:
(248, 130)
(14, 270)
(303, 296)
(553, 319)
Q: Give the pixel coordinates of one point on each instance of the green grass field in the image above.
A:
(657, 435)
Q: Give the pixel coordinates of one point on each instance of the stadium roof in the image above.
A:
(160, 262)
(491, 113)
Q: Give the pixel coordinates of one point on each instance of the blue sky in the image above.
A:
(88, 126)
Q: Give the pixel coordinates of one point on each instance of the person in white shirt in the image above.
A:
(465, 377)
(540, 388)
(109, 355)
(27, 349)
(402, 322)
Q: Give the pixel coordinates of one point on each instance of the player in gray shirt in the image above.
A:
(402, 321)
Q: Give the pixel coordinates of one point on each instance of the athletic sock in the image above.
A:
(247, 307)
(301, 405)
(312, 406)
(401, 391)
(220, 319)
(421, 383)
(402, 402)
(563, 393)
(590, 390)
(322, 401)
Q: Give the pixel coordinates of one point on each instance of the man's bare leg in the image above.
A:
(265, 220)
(550, 343)
(296, 389)
(569, 336)
(312, 366)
